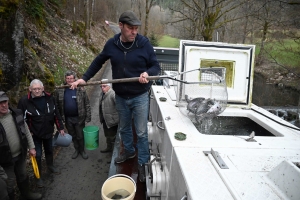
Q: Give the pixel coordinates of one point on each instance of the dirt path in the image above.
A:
(79, 178)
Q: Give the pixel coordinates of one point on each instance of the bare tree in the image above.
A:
(92, 11)
(87, 21)
(267, 16)
(87, 14)
(74, 17)
(200, 18)
(149, 5)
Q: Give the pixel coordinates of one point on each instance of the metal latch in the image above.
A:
(218, 158)
(158, 159)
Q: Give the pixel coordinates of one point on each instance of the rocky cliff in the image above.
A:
(43, 49)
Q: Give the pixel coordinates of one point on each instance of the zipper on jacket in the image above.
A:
(125, 52)
(48, 108)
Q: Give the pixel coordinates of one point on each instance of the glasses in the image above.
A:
(103, 86)
(36, 89)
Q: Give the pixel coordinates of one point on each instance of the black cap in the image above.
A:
(128, 17)
(3, 96)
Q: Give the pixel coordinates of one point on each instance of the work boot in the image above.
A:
(26, 193)
(142, 173)
(123, 157)
(39, 182)
(84, 155)
(75, 154)
(51, 168)
(109, 148)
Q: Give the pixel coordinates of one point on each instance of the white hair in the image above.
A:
(36, 81)
(106, 83)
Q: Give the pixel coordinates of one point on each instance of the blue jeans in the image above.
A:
(39, 143)
(137, 108)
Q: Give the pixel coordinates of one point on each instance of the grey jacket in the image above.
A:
(83, 104)
(109, 111)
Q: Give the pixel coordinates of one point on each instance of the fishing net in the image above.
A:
(202, 93)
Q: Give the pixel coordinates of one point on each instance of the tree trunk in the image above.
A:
(92, 11)
(149, 4)
(87, 21)
(74, 18)
(262, 44)
(245, 31)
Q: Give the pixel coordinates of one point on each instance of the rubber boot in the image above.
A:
(26, 193)
(51, 168)
(75, 154)
(39, 181)
(81, 149)
(109, 148)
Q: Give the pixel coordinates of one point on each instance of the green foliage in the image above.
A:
(57, 2)
(35, 9)
(153, 39)
(78, 59)
(7, 7)
(93, 49)
(168, 41)
(285, 52)
(80, 29)
(60, 71)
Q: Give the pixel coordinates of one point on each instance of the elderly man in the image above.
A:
(40, 114)
(14, 140)
(108, 114)
(75, 109)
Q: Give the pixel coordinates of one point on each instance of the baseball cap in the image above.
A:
(3, 96)
(128, 17)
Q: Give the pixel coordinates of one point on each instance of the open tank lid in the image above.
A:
(238, 59)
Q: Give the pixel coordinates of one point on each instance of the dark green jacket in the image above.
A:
(83, 104)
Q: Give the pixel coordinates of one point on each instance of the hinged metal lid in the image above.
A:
(238, 59)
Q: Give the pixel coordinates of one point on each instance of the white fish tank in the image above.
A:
(203, 100)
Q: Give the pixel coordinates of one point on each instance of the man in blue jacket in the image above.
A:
(131, 55)
(74, 108)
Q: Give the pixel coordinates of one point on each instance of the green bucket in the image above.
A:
(91, 137)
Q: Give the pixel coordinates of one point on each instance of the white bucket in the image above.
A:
(118, 182)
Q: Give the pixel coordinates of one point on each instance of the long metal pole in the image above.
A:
(122, 80)
(136, 79)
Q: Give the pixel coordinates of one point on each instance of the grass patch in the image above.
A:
(285, 52)
(168, 41)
